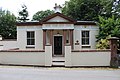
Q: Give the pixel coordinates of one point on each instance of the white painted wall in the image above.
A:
(57, 19)
(22, 58)
(68, 59)
(27, 57)
(86, 58)
(58, 26)
(1, 47)
(48, 55)
(77, 35)
(8, 44)
(22, 36)
(90, 58)
(39, 39)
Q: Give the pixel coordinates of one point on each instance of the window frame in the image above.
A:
(85, 38)
(31, 37)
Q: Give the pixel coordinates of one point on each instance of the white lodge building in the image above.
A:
(57, 30)
(56, 36)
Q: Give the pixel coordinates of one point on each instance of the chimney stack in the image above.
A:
(57, 8)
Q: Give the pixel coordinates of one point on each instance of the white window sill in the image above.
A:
(30, 46)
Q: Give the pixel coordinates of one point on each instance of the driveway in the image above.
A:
(39, 73)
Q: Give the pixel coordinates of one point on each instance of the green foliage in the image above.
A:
(83, 9)
(23, 14)
(41, 14)
(108, 27)
(111, 7)
(7, 24)
(109, 21)
(107, 8)
(116, 9)
(90, 9)
(103, 44)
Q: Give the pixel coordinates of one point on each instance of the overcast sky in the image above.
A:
(33, 6)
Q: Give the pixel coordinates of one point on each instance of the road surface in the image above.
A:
(31, 73)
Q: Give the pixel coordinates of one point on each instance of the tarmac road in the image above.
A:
(31, 73)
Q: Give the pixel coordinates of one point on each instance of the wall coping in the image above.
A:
(22, 50)
(114, 38)
(106, 50)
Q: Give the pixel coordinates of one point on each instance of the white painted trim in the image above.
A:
(58, 26)
(34, 38)
(82, 27)
(29, 28)
(30, 45)
(89, 38)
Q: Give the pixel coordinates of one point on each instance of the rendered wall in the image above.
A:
(1, 47)
(8, 44)
(77, 35)
(22, 58)
(27, 57)
(85, 58)
(22, 36)
(57, 19)
(90, 58)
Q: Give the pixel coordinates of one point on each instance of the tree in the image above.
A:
(83, 9)
(23, 14)
(116, 9)
(107, 8)
(7, 25)
(108, 27)
(111, 7)
(109, 23)
(91, 9)
(41, 14)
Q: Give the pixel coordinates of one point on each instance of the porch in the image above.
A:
(58, 39)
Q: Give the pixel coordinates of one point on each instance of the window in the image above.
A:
(85, 37)
(30, 38)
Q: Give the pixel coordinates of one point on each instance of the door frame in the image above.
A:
(62, 46)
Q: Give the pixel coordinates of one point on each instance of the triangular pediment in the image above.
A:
(57, 17)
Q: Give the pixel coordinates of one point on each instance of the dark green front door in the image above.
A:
(57, 45)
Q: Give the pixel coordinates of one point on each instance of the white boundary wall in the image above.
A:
(8, 44)
(27, 57)
(22, 58)
(44, 58)
(86, 58)
(1, 47)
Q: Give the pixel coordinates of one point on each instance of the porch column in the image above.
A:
(64, 34)
(51, 37)
(44, 38)
(71, 38)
